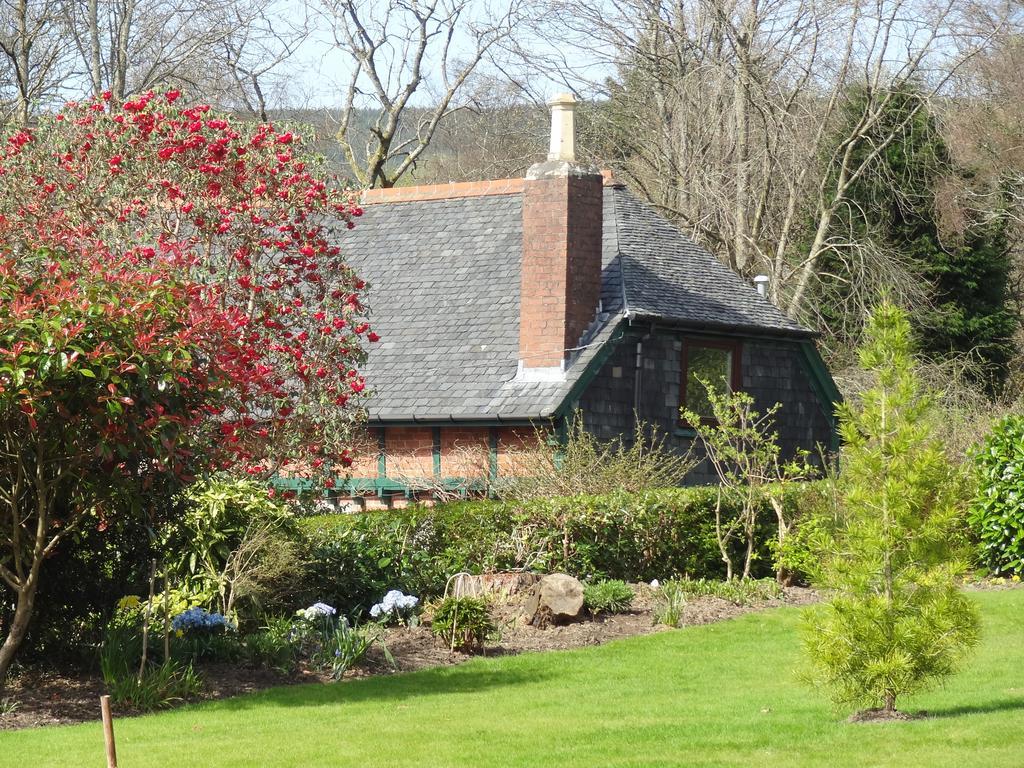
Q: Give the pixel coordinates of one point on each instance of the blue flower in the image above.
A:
(195, 619)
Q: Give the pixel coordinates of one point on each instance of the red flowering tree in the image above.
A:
(171, 300)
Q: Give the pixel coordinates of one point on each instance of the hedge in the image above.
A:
(658, 534)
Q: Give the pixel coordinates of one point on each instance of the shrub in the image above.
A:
(161, 685)
(353, 559)
(583, 464)
(608, 596)
(463, 623)
(272, 646)
(161, 327)
(232, 544)
(997, 509)
(152, 686)
(669, 604)
(743, 447)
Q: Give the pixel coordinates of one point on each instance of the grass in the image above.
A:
(720, 695)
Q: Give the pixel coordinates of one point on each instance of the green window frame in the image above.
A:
(700, 358)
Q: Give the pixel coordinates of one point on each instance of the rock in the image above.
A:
(503, 584)
(556, 599)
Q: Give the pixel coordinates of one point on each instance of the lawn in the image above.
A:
(720, 695)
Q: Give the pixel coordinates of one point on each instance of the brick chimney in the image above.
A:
(561, 274)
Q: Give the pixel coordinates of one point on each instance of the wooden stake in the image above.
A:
(167, 618)
(108, 731)
(145, 623)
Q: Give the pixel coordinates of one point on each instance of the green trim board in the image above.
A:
(435, 450)
(492, 453)
(824, 387)
(589, 373)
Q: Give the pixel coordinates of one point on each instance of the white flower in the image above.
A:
(318, 610)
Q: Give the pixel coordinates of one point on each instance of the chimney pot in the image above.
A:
(761, 283)
(563, 128)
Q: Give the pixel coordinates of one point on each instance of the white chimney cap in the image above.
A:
(761, 282)
(563, 128)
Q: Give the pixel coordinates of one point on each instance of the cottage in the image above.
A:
(510, 304)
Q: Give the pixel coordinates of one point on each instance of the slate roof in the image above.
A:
(444, 296)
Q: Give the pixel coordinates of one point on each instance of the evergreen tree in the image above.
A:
(893, 208)
(896, 620)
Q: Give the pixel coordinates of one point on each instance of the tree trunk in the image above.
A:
(19, 625)
(722, 542)
(782, 575)
(95, 53)
(890, 703)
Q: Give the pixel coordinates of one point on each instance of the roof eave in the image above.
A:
(638, 316)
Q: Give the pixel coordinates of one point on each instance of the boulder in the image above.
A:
(503, 584)
(556, 599)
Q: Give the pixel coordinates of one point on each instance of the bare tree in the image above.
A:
(127, 46)
(33, 54)
(259, 41)
(404, 54)
(746, 120)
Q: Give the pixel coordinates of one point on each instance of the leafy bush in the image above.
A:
(353, 559)
(997, 510)
(583, 464)
(232, 543)
(463, 623)
(201, 635)
(669, 604)
(272, 646)
(161, 685)
(608, 596)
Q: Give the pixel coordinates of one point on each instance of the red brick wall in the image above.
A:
(410, 451)
(561, 273)
(365, 453)
(465, 452)
(513, 443)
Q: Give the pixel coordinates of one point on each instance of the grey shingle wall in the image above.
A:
(771, 372)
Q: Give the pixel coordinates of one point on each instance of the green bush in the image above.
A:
(159, 685)
(232, 546)
(669, 604)
(659, 534)
(997, 510)
(272, 646)
(463, 623)
(608, 596)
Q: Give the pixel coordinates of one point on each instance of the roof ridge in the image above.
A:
(618, 250)
(449, 191)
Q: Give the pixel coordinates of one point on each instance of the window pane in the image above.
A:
(709, 364)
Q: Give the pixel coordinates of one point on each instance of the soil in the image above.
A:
(881, 716)
(43, 697)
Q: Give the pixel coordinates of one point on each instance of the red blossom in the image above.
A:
(259, 291)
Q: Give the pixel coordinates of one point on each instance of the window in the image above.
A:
(713, 361)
